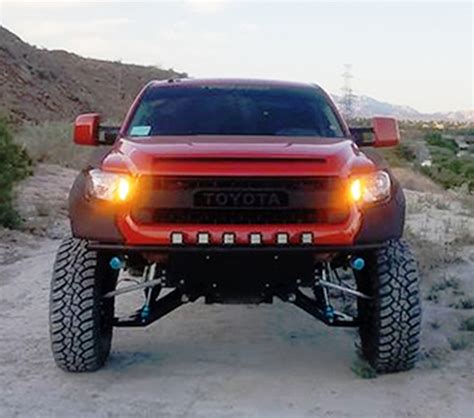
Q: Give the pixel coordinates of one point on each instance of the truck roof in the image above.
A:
(234, 82)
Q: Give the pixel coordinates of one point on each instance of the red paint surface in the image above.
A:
(242, 156)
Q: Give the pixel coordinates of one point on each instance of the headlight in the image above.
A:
(114, 187)
(370, 188)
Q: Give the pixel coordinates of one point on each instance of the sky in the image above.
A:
(418, 54)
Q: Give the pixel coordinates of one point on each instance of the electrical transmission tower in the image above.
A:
(347, 93)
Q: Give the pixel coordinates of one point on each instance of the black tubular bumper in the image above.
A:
(309, 249)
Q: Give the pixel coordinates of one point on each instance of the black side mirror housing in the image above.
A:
(108, 134)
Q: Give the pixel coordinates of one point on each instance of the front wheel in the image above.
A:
(80, 319)
(390, 323)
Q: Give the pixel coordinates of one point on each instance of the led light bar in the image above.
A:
(282, 238)
(255, 239)
(177, 238)
(228, 238)
(306, 238)
(203, 238)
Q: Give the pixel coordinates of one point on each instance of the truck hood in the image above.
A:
(236, 155)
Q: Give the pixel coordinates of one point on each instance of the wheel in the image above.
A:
(390, 323)
(80, 320)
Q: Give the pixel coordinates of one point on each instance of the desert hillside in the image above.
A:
(38, 85)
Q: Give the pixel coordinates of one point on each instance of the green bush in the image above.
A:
(447, 168)
(15, 165)
(399, 156)
(437, 140)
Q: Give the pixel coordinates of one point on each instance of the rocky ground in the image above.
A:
(234, 361)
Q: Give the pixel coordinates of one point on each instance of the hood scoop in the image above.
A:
(228, 151)
(239, 156)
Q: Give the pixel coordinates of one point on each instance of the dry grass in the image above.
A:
(464, 303)
(467, 203)
(435, 357)
(431, 255)
(468, 324)
(459, 342)
(416, 181)
(363, 369)
(439, 227)
(51, 142)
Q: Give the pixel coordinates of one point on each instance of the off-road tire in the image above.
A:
(80, 319)
(390, 323)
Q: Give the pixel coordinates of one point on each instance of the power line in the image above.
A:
(347, 93)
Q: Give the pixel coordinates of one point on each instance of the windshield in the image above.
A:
(234, 110)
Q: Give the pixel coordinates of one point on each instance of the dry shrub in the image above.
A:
(51, 142)
(429, 254)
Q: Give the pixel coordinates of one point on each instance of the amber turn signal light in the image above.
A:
(113, 187)
(370, 188)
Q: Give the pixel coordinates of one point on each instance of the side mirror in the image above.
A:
(383, 133)
(87, 131)
(386, 132)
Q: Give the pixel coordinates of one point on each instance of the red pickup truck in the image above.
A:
(236, 191)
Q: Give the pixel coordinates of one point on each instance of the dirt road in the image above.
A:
(205, 362)
(218, 361)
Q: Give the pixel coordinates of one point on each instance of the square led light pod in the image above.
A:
(177, 238)
(203, 238)
(255, 239)
(282, 238)
(306, 238)
(228, 238)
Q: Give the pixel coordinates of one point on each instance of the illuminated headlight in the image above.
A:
(370, 188)
(114, 187)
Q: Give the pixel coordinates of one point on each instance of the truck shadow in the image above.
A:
(200, 340)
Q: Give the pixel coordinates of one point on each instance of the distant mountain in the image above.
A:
(367, 107)
(460, 116)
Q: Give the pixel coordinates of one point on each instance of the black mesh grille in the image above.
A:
(173, 201)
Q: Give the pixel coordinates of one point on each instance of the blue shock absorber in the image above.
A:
(329, 313)
(116, 263)
(145, 312)
(357, 263)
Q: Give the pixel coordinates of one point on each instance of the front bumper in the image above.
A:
(161, 235)
(182, 249)
(105, 223)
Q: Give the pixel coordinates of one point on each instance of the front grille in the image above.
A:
(278, 201)
(290, 184)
